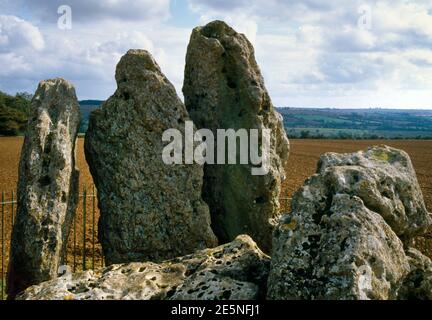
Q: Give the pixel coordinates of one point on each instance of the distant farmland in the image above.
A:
(303, 160)
(357, 123)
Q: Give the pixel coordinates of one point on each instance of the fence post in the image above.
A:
(13, 207)
(2, 243)
(84, 228)
(74, 244)
(93, 228)
(65, 254)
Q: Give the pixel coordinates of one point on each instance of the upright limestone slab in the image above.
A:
(224, 89)
(149, 210)
(47, 186)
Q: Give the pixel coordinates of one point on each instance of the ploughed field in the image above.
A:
(303, 160)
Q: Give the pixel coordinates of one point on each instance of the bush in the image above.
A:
(14, 113)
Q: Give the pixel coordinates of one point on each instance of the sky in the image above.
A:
(312, 53)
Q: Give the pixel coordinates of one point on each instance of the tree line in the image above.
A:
(14, 113)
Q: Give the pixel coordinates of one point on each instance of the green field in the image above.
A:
(357, 123)
(303, 123)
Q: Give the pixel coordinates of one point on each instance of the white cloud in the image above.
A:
(91, 10)
(17, 34)
(88, 56)
(311, 52)
(13, 64)
(314, 51)
(403, 17)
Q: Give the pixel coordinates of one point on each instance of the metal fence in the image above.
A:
(83, 250)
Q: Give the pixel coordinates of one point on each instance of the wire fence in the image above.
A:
(83, 250)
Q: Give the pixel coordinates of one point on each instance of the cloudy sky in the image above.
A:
(339, 53)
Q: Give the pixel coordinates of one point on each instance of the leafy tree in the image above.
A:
(14, 112)
(304, 134)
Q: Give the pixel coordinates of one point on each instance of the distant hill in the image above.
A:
(90, 102)
(87, 106)
(299, 122)
(14, 113)
(357, 123)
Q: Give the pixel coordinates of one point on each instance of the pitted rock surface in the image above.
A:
(343, 238)
(237, 270)
(224, 89)
(150, 211)
(47, 186)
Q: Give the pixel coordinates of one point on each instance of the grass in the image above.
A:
(330, 133)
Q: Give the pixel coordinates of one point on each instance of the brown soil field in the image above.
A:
(305, 154)
(302, 164)
(10, 149)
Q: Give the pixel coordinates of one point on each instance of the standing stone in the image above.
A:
(342, 239)
(224, 89)
(149, 210)
(47, 186)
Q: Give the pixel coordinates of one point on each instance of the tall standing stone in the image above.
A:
(47, 186)
(149, 210)
(224, 89)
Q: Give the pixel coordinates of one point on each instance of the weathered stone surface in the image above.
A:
(47, 186)
(237, 270)
(350, 253)
(149, 210)
(341, 239)
(418, 283)
(224, 89)
(384, 178)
